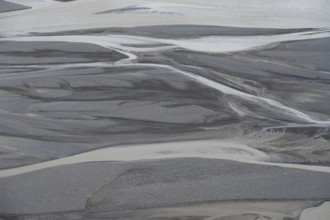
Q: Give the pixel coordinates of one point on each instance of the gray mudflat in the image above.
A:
(153, 184)
(178, 31)
(62, 98)
(9, 6)
(33, 53)
(57, 107)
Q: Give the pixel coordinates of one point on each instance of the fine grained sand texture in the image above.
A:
(164, 109)
(116, 186)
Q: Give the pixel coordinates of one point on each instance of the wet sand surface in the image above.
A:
(179, 31)
(60, 105)
(155, 184)
(155, 117)
(6, 6)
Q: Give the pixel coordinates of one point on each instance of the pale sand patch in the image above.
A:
(228, 149)
(83, 14)
(321, 212)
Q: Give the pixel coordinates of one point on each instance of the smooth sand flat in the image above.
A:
(112, 186)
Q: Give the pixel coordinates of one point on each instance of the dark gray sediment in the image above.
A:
(111, 187)
(34, 53)
(51, 99)
(67, 92)
(178, 31)
(6, 6)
